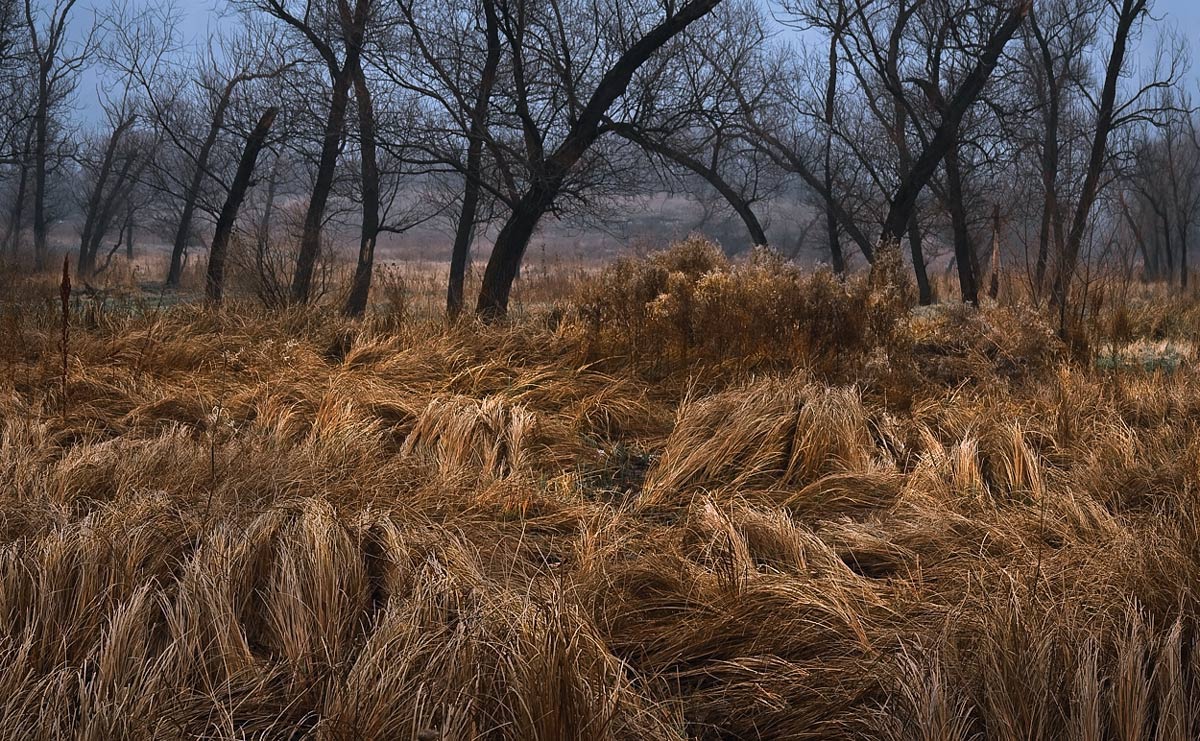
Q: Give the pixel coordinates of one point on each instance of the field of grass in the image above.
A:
(684, 500)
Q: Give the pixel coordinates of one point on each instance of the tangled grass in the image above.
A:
(918, 526)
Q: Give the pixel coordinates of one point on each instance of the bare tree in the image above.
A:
(356, 302)
(58, 61)
(446, 58)
(215, 280)
(682, 113)
(1058, 38)
(951, 110)
(1112, 113)
(550, 171)
(335, 32)
(109, 178)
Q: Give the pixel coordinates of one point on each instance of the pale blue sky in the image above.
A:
(199, 17)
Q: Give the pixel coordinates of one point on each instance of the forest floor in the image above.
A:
(687, 499)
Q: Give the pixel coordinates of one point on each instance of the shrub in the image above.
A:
(688, 305)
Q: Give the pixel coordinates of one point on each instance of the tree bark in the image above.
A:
(1183, 253)
(263, 237)
(899, 135)
(831, 222)
(40, 155)
(904, 202)
(514, 236)
(192, 194)
(964, 251)
(740, 206)
(12, 237)
(790, 161)
(360, 290)
(1149, 258)
(1168, 249)
(1052, 223)
(314, 217)
(215, 281)
(103, 218)
(129, 233)
(1128, 15)
(915, 244)
(994, 268)
(94, 212)
(465, 230)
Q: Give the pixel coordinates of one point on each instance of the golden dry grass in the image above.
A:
(852, 522)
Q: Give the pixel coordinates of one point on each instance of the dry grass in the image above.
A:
(840, 519)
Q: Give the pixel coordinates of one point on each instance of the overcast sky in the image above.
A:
(200, 18)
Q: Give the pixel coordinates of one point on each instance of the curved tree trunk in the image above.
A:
(514, 236)
(214, 283)
(95, 216)
(1128, 13)
(184, 229)
(904, 201)
(314, 216)
(102, 219)
(740, 206)
(915, 245)
(510, 246)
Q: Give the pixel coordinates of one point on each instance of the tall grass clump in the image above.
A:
(701, 498)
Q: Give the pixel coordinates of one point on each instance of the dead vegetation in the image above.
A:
(696, 501)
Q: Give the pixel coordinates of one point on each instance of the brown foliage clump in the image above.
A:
(689, 304)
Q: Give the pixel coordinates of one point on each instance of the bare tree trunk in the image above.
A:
(899, 134)
(40, 166)
(1159, 258)
(1168, 250)
(12, 237)
(107, 210)
(360, 290)
(904, 202)
(1183, 253)
(994, 268)
(263, 237)
(1051, 217)
(514, 236)
(964, 251)
(94, 209)
(1149, 257)
(1043, 253)
(510, 246)
(129, 232)
(740, 206)
(1127, 16)
(790, 161)
(831, 222)
(215, 281)
(915, 244)
(314, 217)
(183, 230)
(465, 230)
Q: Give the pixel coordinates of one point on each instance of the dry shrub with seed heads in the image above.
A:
(689, 304)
